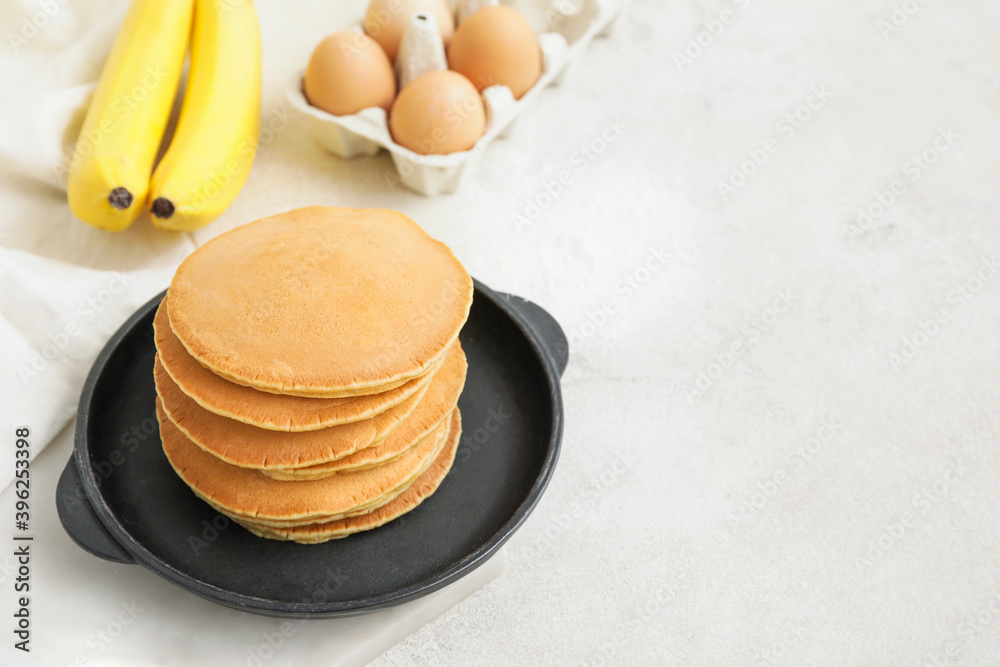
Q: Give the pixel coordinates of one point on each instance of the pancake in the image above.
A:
(251, 447)
(321, 302)
(416, 493)
(439, 401)
(366, 458)
(364, 508)
(276, 412)
(243, 494)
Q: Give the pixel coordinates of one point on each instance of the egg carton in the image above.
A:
(564, 29)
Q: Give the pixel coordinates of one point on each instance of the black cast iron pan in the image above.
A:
(119, 499)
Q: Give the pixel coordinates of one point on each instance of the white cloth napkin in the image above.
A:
(64, 286)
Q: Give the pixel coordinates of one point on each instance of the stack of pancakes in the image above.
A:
(308, 370)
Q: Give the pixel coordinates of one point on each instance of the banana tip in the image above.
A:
(120, 199)
(162, 208)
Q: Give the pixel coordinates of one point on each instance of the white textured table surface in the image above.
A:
(781, 420)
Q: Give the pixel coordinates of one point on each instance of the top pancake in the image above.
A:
(322, 302)
(275, 412)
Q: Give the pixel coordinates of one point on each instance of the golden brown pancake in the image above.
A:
(360, 509)
(415, 493)
(247, 494)
(369, 457)
(434, 408)
(277, 412)
(321, 302)
(251, 447)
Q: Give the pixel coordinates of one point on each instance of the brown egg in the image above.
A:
(386, 20)
(496, 46)
(439, 112)
(349, 72)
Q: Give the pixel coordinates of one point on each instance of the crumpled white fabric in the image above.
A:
(64, 287)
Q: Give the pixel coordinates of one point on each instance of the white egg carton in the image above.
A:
(564, 29)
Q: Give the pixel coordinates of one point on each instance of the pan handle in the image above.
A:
(80, 521)
(547, 330)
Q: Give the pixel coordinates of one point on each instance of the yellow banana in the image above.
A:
(216, 140)
(110, 166)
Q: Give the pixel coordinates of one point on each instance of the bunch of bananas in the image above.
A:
(111, 173)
